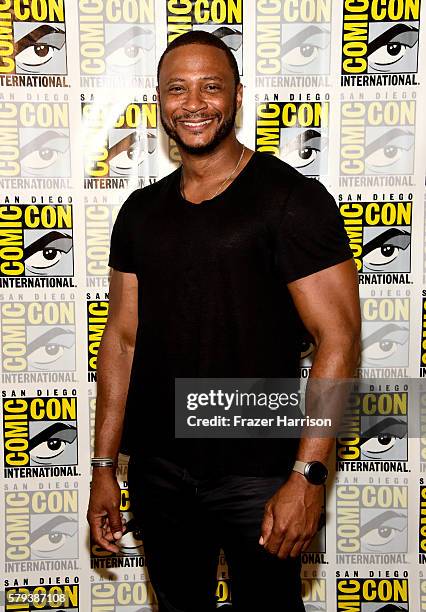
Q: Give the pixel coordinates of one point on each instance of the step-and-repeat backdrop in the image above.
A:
(335, 89)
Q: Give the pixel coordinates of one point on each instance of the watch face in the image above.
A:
(317, 472)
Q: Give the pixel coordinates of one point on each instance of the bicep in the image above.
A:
(328, 301)
(123, 305)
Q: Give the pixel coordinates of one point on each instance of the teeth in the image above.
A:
(193, 123)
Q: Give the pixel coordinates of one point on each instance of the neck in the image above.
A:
(211, 164)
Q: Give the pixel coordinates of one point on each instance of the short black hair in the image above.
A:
(200, 37)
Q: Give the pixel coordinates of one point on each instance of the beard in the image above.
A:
(221, 133)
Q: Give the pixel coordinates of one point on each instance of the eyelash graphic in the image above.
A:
(305, 47)
(390, 47)
(384, 342)
(385, 248)
(42, 352)
(38, 47)
(383, 528)
(48, 539)
(382, 436)
(47, 251)
(131, 151)
(231, 37)
(387, 150)
(43, 151)
(127, 49)
(51, 442)
(303, 150)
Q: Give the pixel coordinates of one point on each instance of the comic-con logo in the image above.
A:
(33, 39)
(422, 428)
(38, 336)
(117, 39)
(100, 219)
(42, 597)
(314, 594)
(377, 138)
(223, 18)
(39, 432)
(123, 596)
(292, 38)
(41, 525)
(372, 594)
(385, 336)
(36, 240)
(297, 132)
(423, 338)
(130, 545)
(379, 41)
(374, 428)
(380, 238)
(422, 524)
(423, 595)
(371, 520)
(122, 147)
(35, 142)
(97, 315)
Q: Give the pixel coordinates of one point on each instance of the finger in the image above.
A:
(115, 524)
(266, 528)
(96, 531)
(296, 551)
(107, 528)
(287, 544)
(275, 540)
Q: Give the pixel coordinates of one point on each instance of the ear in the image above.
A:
(239, 95)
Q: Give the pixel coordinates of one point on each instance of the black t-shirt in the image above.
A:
(213, 299)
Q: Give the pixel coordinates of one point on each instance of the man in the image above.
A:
(213, 268)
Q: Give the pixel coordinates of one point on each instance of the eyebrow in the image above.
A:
(385, 37)
(38, 142)
(382, 238)
(43, 241)
(300, 37)
(390, 328)
(384, 426)
(127, 36)
(53, 430)
(378, 520)
(383, 140)
(34, 36)
(204, 78)
(46, 337)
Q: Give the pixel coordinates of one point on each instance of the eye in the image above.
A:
(300, 158)
(50, 542)
(129, 55)
(45, 258)
(43, 158)
(379, 444)
(48, 353)
(306, 349)
(382, 255)
(385, 156)
(301, 56)
(380, 535)
(388, 54)
(384, 348)
(36, 55)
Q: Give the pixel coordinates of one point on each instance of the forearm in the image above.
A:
(331, 366)
(114, 365)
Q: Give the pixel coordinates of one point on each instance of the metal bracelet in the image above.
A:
(102, 462)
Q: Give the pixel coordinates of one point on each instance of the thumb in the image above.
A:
(267, 523)
(115, 524)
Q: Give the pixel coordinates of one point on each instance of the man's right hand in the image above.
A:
(106, 523)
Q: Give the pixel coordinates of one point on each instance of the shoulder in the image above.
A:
(141, 200)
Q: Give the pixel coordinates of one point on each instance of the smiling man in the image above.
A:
(214, 268)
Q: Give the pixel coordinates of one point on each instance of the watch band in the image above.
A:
(299, 466)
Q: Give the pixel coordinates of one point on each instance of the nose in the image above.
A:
(194, 100)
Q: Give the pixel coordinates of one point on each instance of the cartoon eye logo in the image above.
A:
(305, 47)
(127, 49)
(38, 47)
(384, 343)
(231, 37)
(388, 149)
(131, 542)
(303, 150)
(131, 151)
(383, 529)
(391, 46)
(51, 539)
(307, 348)
(49, 347)
(385, 248)
(382, 436)
(43, 151)
(51, 442)
(47, 251)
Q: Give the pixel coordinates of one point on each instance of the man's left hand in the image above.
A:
(291, 517)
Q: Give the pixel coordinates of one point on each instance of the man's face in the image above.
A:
(198, 97)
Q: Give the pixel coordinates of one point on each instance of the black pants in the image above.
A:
(185, 521)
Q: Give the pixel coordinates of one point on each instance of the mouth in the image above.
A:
(196, 125)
